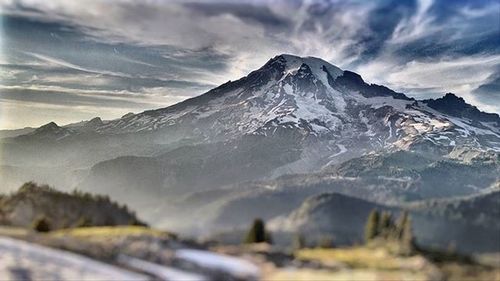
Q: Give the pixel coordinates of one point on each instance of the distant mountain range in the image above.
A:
(259, 146)
(469, 223)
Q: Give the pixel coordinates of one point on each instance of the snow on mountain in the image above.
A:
(291, 116)
(316, 98)
(49, 131)
(321, 102)
(270, 94)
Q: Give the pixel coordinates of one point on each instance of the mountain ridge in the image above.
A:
(466, 219)
(329, 84)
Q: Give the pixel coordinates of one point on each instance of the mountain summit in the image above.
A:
(313, 100)
(316, 99)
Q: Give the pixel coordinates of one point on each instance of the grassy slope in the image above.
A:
(375, 263)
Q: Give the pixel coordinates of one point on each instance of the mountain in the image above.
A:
(457, 107)
(258, 146)
(61, 210)
(312, 97)
(50, 131)
(15, 132)
(318, 100)
(469, 223)
(391, 178)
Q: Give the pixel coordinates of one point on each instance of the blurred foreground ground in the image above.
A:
(140, 253)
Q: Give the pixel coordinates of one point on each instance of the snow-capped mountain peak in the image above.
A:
(319, 68)
(318, 101)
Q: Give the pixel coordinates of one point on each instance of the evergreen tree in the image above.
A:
(372, 226)
(400, 226)
(257, 233)
(407, 239)
(386, 225)
(41, 225)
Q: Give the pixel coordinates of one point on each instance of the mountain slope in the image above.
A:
(386, 178)
(435, 223)
(293, 115)
(314, 98)
(319, 100)
(457, 107)
(61, 210)
(332, 115)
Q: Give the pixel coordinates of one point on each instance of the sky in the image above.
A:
(67, 61)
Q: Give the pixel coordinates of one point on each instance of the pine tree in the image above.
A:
(407, 239)
(41, 224)
(400, 226)
(372, 226)
(257, 233)
(386, 225)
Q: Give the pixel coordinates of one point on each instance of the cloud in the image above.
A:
(427, 79)
(98, 98)
(488, 93)
(59, 62)
(178, 48)
(229, 29)
(16, 113)
(416, 26)
(37, 104)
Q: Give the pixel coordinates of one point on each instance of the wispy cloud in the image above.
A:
(448, 74)
(417, 25)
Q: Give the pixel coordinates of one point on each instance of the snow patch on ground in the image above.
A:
(164, 272)
(235, 266)
(20, 260)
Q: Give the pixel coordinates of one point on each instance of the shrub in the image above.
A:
(41, 224)
(257, 233)
(372, 226)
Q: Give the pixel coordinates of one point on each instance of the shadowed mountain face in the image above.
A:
(456, 106)
(293, 115)
(469, 223)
